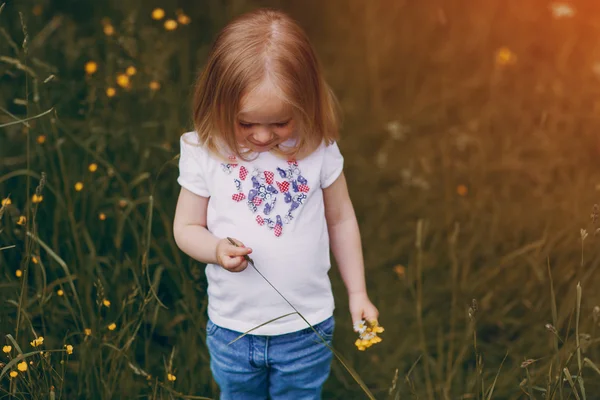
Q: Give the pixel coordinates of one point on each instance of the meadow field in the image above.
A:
(471, 139)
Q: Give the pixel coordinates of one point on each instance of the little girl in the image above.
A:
(263, 168)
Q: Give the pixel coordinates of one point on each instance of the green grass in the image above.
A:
(471, 206)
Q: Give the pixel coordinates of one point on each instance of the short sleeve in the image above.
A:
(191, 173)
(333, 164)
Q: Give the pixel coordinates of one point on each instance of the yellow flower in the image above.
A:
(131, 71)
(106, 303)
(158, 13)
(462, 190)
(78, 186)
(69, 348)
(22, 366)
(41, 139)
(102, 216)
(110, 92)
(22, 220)
(60, 292)
(504, 56)
(18, 273)
(91, 67)
(87, 331)
(6, 349)
(123, 80)
(37, 199)
(13, 374)
(170, 24)
(171, 377)
(34, 259)
(154, 85)
(122, 203)
(38, 341)
(183, 19)
(112, 327)
(93, 167)
(400, 270)
(109, 30)
(6, 202)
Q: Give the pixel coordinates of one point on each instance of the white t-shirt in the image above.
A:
(275, 207)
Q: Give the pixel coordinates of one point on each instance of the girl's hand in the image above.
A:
(362, 308)
(231, 257)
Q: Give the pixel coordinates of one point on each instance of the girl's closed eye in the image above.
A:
(246, 125)
(282, 124)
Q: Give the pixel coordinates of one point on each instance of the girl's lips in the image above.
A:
(262, 145)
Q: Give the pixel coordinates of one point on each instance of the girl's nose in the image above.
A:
(262, 135)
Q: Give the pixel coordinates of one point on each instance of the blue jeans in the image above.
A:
(289, 366)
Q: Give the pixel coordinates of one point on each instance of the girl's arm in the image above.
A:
(192, 237)
(344, 237)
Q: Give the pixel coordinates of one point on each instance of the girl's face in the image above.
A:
(264, 120)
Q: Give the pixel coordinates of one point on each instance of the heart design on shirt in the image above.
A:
(261, 197)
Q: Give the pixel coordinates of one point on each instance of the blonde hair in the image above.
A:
(261, 45)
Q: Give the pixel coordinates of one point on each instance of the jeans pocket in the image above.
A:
(326, 328)
(211, 328)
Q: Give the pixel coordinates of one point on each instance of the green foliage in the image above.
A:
(478, 188)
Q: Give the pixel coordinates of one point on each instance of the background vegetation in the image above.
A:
(472, 154)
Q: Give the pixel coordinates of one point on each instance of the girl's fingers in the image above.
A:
(371, 314)
(236, 264)
(239, 251)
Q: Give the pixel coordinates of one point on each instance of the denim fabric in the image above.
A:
(289, 366)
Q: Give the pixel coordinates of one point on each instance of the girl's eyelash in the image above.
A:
(278, 124)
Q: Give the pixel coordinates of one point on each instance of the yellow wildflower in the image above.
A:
(22, 220)
(183, 19)
(112, 327)
(170, 24)
(122, 203)
(367, 334)
(6, 349)
(93, 167)
(171, 377)
(91, 67)
(69, 348)
(110, 92)
(462, 190)
(400, 270)
(78, 186)
(87, 331)
(158, 14)
(504, 56)
(34, 259)
(131, 71)
(37, 199)
(41, 139)
(22, 366)
(106, 302)
(109, 30)
(102, 216)
(154, 85)
(37, 342)
(6, 202)
(14, 374)
(123, 80)
(18, 273)
(60, 292)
